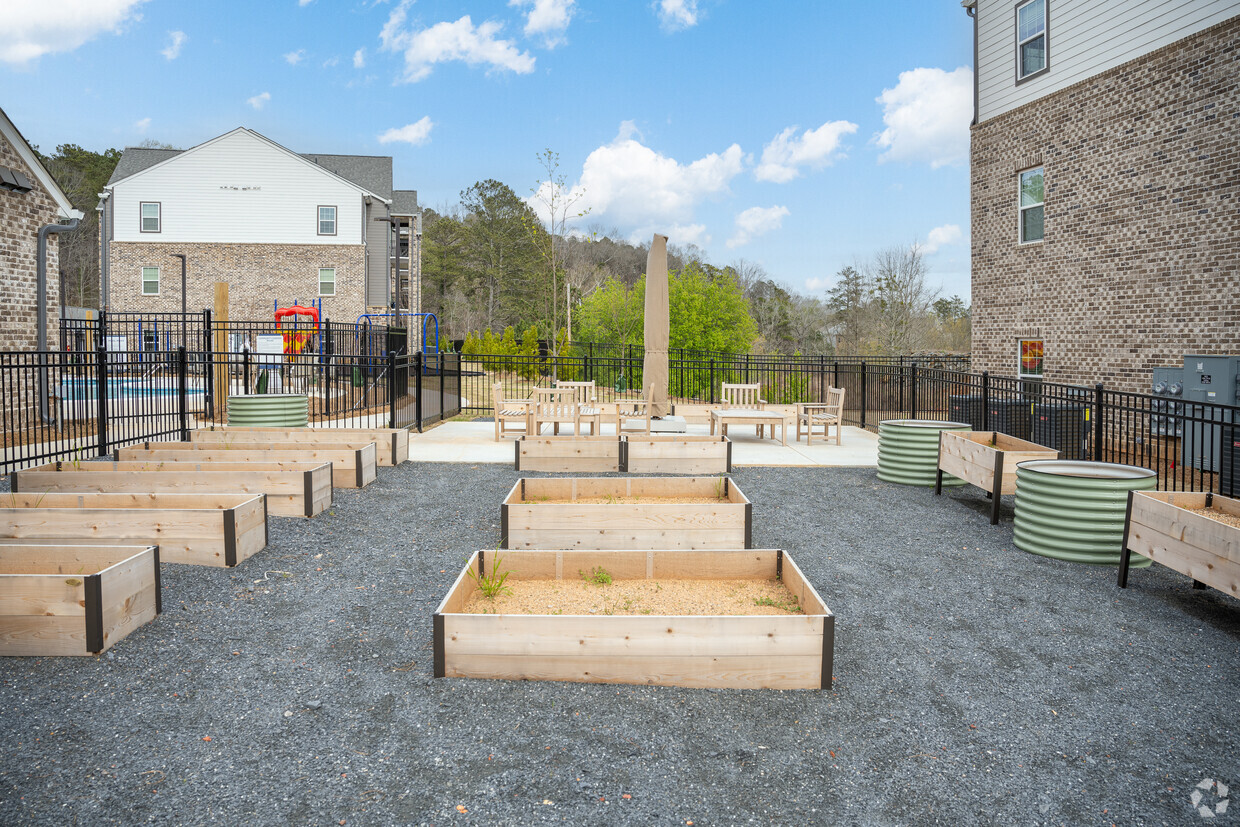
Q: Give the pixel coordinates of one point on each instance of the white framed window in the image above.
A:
(327, 281)
(1029, 364)
(1032, 213)
(1031, 43)
(150, 281)
(327, 220)
(150, 216)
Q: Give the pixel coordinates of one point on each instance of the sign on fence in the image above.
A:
(270, 348)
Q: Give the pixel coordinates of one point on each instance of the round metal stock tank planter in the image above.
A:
(908, 450)
(1075, 510)
(285, 410)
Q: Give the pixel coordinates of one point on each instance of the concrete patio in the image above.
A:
(474, 442)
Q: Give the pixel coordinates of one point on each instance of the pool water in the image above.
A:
(120, 389)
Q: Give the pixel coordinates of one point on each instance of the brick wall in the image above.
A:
(257, 275)
(1142, 219)
(21, 216)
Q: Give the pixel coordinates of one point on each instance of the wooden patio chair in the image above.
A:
(584, 396)
(821, 414)
(509, 411)
(555, 405)
(628, 410)
(744, 397)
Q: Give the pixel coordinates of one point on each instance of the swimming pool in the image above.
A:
(77, 389)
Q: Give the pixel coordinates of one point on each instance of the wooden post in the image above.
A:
(220, 359)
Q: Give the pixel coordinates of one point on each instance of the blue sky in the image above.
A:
(798, 134)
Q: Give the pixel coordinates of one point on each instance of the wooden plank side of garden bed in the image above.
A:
(293, 489)
(130, 597)
(353, 466)
(392, 443)
(706, 488)
(1206, 550)
(204, 536)
(586, 454)
(968, 455)
(679, 454)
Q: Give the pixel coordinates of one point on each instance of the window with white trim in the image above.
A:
(150, 216)
(1032, 211)
(150, 281)
(327, 281)
(1030, 38)
(327, 220)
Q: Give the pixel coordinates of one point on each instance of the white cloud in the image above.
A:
(359, 58)
(675, 15)
(175, 41)
(815, 284)
(634, 186)
(142, 125)
(259, 100)
(443, 42)
(941, 237)
(32, 28)
(417, 133)
(927, 116)
(815, 148)
(549, 18)
(330, 62)
(293, 58)
(754, 222)
(304, 2)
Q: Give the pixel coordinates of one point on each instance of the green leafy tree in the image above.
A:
(613, 314)
(498, 251)
(851, 304)
(709, 311)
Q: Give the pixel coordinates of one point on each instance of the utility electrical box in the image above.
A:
(1168, 405)
(1208, 381)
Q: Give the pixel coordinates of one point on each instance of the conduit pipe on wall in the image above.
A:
(41, 308)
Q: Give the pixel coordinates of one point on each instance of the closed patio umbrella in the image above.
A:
(658, 327)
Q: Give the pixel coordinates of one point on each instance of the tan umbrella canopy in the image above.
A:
(658, 327)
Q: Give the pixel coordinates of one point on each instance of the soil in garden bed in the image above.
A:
(1215, 514)
(639, 597)
(617, 499)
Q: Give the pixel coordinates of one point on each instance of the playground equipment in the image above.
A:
(426, 347)
(297, 339)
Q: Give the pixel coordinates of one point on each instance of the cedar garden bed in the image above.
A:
(293, 489)
(392, 444)
(353, 465)
(633, 453)
(201, 529)
(1195, 534)
(626, 513)
(74, 599)
(986, 459)
(771, 651)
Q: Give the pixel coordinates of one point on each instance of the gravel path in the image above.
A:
(975, 684)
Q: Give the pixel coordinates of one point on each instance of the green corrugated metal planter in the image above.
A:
(908, 450)
(1075, 510)
(283, 410)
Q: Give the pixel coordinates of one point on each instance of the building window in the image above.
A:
(150, 281)
(327, 220)
(1031, 208)
(327, 281)
(1030, 359)
(150, 216)
(1030, 39)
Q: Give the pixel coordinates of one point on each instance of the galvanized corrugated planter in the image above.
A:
(908, 450)
(1075, 510)
(285, 410)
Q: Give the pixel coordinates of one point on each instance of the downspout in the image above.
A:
(970, 8)
(41, 308)
(102, 209)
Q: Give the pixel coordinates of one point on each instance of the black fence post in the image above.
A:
(245, 369)
(712, 381)
(985, 400)
(208, 368)
(183, 392)
(417, 400)
(863, 400)
(836, 371)
(101, 390)
(391, 386)
(1098, 394)
(913, 391)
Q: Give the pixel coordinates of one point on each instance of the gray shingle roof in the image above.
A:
(404, 202)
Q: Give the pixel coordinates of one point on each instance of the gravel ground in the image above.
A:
(975, 684)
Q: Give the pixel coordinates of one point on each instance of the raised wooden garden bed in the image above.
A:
(74, 599)
(392, 443)
(584, 454)
(787, 651)
(986, 459)
(1195, 534)
(293, 489)
(200, 529)
(626, 513)
(677, 454)
(353, 465)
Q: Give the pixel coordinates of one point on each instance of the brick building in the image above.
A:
(1105, 169)
(277, 226)
(29, 199)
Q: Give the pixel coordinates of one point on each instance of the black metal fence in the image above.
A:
(1192, 446)
(81, 404)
